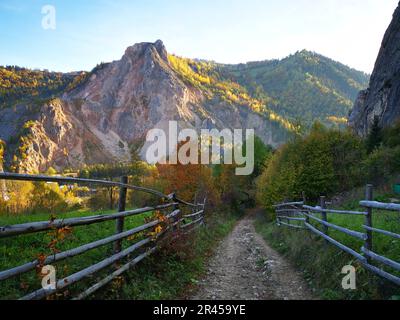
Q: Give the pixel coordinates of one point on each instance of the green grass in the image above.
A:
(322, 263)
(15, 251)
(162, 276)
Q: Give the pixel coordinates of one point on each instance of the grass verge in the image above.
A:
(18, 250)
(162, 276)
(322, 263)
(173, 272)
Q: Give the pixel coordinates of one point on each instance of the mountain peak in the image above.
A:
(156, 49)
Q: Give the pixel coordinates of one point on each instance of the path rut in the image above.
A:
(244, 267)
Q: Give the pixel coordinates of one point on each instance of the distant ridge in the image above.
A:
(70, 120)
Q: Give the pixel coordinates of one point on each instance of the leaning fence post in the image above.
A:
(304, 203)
(368, 218)
(176, 221)
(324, 214)
(278, 221)
(204, 211)
(121, 208)
(195, 208)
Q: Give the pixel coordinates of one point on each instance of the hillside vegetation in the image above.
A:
(286, 93)
(330, 161)
(337, 164)
(176, 265)
(26, 86)
(303, 87)
(205, 76)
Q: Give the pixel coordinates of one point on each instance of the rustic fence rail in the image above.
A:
(298, 215)
(173, 222)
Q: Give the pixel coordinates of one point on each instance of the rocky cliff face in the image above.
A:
(382, 98)
(112, 110)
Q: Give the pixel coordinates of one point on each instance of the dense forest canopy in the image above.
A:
(20, 85)
(329, 161)
(305, 86)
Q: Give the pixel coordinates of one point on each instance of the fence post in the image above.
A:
(368, 218)
(194, 209)
(324, 214)
(204, 211)
(121, 208)
(178, 217)
(304, 203)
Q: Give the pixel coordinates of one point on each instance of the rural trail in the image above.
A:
(244, 267)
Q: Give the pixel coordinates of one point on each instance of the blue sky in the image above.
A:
(229, 31)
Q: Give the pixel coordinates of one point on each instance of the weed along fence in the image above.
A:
(298, 215)
(171, 223)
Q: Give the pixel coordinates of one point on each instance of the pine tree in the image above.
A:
(375, 137)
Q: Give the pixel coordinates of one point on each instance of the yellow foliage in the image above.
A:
(203, 75)
(337, 120)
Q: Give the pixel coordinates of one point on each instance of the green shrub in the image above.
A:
(324, 162)
(382, 164)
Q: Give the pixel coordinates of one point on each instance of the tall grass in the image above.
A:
(15, 251)
(164, 275)
(322, 263)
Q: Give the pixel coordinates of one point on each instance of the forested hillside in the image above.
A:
(207, 77)
(279, 99)
(24, 85)
(298, 89)
(303, 87)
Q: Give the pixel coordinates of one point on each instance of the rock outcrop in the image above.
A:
(382, 98)
(113, 109)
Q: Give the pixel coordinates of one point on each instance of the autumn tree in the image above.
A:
(189, 182)
(324, 162)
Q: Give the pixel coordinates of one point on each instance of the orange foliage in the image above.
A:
(189, 181)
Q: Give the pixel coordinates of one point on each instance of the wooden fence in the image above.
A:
(298, 215)
(175, 223)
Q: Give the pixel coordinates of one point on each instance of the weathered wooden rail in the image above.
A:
(174, 221)
(298, 215)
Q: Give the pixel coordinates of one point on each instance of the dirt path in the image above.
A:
(246, 268)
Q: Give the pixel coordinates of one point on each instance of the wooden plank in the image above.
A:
(114, 275)
(318, 209)
(8, 231)
(387, 233)
(291, 225)
(380, 205)
(292, 218)
(79, 250)
(389, 262)
(288, 204)
(349, 232)
(194, 214)
(68, 180)
(63, 283)
(381, 273)
(336, 243)
(74, 252)
(191, 223)
(176, 199)
(299, 211)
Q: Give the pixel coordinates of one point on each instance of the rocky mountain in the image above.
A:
(112, 108)
(382, 98)
(97, 117)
